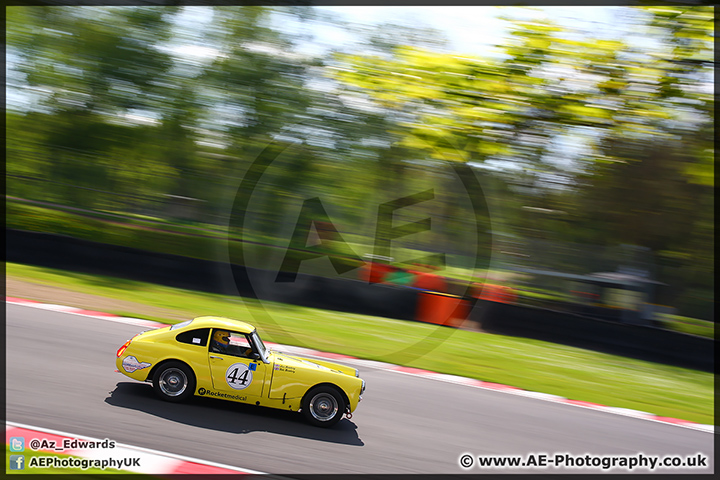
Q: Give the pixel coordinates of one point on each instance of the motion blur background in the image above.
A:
(590, 130)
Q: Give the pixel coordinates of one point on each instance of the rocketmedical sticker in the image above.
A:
(130, 364)
(238, 376)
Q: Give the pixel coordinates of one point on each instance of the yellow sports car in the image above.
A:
(223, 358)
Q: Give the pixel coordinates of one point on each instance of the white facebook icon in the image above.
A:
(17, 462)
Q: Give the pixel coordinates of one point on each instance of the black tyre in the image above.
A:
(174, 382)
(323, 406)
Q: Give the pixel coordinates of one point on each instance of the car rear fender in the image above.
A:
(152, 371)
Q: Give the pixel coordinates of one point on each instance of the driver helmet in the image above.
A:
(222, 337)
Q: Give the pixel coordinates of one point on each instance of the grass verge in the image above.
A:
(529, 364)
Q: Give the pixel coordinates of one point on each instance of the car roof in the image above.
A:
(221, 322)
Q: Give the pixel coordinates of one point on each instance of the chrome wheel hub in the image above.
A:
(173, 382)
(323, 407)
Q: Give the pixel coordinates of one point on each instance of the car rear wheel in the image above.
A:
(323, 406)
(174, 382)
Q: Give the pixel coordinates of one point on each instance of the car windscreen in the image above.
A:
(259, 343)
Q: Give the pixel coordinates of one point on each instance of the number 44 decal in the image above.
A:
(239, 376)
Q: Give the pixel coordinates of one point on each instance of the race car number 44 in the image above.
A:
(238, 376)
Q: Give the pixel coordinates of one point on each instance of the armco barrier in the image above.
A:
(332, 293)
(67, 253)
(57, 251)
(643, 342)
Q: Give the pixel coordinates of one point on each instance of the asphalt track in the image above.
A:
(61, 375)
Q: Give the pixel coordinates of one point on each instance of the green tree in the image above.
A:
(93, 67)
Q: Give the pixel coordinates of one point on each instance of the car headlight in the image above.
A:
(357, 373)
(362, 389)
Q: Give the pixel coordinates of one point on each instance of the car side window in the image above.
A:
(194, 337)
(230, 343)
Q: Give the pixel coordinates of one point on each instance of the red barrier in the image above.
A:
(429, 281)
(374, 272)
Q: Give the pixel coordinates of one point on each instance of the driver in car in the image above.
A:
(221, 344)
(220, 341)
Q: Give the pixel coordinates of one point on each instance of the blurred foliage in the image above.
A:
(576, 138)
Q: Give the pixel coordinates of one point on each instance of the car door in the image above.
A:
(233, 371)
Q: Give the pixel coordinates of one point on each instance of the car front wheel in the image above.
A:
(174, 382)
(323, 406)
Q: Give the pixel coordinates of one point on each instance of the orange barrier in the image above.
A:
(441, 309)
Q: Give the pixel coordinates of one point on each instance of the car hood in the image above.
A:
(306, 363)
